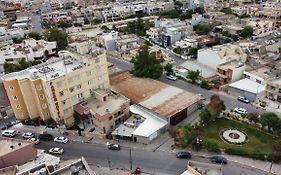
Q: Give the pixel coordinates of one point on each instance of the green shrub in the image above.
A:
(211, 145)
(243, 153)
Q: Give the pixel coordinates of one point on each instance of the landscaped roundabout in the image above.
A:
(234, 136)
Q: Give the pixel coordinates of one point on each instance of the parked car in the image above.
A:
(171, 77)
(56, 150)
(35, 140)
(9, 133)
(243, 99)
(46, 137)
(183, 155)
(218, 159)
(27, 135)
(61, 139)
(240, 110)
(114, 147)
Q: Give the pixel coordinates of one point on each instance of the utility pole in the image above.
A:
(131, 161)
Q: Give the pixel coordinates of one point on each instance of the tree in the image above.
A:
(17, 40)
(215, 107)
(23, 64)
(193, 76)
(58, 36)
(247, 31)
(202, 29)
(138, 27)
(86, 21)
(169, 68)
(146, 64)
(211, 145)
(64, 24)
(97, 21)
(276, 149)
(104, 28)
(205, 116)
(192, 51)
(184, 135)
(177, 50)
(227, 10)
(34, 35)
(253, 117)
(205, 85)
(271, 121)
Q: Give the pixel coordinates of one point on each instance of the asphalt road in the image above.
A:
(160, 162)
(229, 101)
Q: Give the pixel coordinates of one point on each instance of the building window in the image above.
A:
(78, 86)
(15, 97)
(47, 114)
(80, 95)
(63, 102)
(71, 89)
(61, 93)
(39, 87)
(12, 88)
(110, 118)
(258, 81)
(41, 96)
(88, 73)
(44, 105)
(90, 82)
(18, 106)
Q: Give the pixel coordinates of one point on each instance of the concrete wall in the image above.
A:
(19, 156)
(209, 58)
(237, 73)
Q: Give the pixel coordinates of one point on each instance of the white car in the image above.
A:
(36, 141)
(61, 139)
(56, 150)
(27, 135)
(240, 110)
(9, 133)
(172, 77)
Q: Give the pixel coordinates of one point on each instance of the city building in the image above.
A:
(171, 103)
(50, 90)
(106, 110)
(273, 90)
(15, 152)
(200, 168)
(29, 50)
(230, 71)
(126, 44)
(143, 126)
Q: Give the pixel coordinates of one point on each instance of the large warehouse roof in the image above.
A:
(161, 98)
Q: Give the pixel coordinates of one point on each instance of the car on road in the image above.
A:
(218, 159)
(61, 139)
(46, 137)
(171, 77)
(183, 155)
(56, 150)
(9, 133)
(27, 135)
(35, 140)
(114, 147)
(243, 99)
(240, 110)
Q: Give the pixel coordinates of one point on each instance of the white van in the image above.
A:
(9, 133)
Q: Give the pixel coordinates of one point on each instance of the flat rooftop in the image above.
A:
(145, 125)
(113, 102)
(159, 97)
(231, 65)
(248, 85)
(205, 72)
(263, 72)
(6, 145)
(124, 39)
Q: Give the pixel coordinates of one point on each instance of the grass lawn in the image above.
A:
(257, 142)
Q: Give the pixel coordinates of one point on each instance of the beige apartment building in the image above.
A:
(273, 90)
(50, 90)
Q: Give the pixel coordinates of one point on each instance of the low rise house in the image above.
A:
(143, 126)
(16, 152)
(125, 44)
(200, 168)
(230, 71)
(106, 110)
(273, 90)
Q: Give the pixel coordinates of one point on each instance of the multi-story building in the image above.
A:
(273, 90)
(230, 71)
(49, 91)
